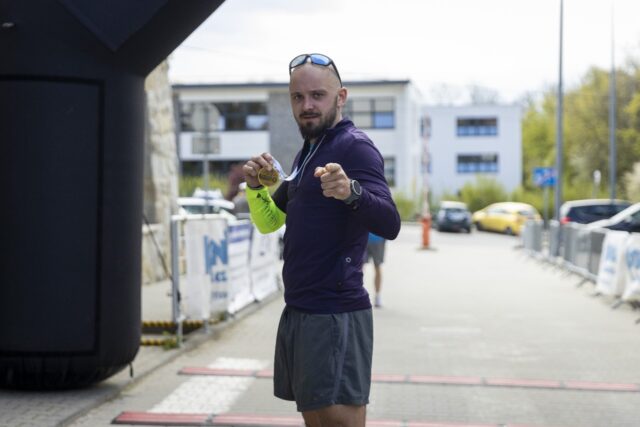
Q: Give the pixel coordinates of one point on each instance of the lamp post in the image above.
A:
(612, 117)
(206, 117)
(558, 192)
(425, 211)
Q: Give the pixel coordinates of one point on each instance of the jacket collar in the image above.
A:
(330, 133)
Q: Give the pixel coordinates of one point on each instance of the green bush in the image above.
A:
(188, 183)
(407, 207)
(632, 183)
(485, 191)
(533, 197)
(482, 193)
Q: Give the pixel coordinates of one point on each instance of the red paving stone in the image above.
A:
(151, 418)
(510, 382)
(441, 424)
(265, 373)
(435, 379)
(170, 419)
(388, 378)
(599, 386)
(256, 420)
(384, 423)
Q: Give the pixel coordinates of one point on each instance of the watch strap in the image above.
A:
(354, 195)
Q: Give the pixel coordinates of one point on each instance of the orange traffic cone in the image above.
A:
(426, 227)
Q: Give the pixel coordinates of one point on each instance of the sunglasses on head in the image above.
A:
(315, 58)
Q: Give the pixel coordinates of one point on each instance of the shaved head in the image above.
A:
(327, 73)
(317, 98)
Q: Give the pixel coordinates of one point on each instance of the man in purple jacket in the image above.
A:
(334, 197)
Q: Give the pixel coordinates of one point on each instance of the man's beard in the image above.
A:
(311, 131)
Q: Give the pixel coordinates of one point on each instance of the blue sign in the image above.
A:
(544, 177)
(214, 251)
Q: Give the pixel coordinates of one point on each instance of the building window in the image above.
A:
(425, 127)
(477, 163)
(233, 116)
(487, 126)
(371, 113)
(426, 162)
(390, 171)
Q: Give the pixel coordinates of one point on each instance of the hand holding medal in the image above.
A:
(269, 177)
(265, 170)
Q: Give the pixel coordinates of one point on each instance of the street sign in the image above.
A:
(202, 145)
(544, 176)
(205, 117)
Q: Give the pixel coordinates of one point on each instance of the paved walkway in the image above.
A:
(472, 333)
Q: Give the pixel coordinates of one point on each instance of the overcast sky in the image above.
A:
(443, 46)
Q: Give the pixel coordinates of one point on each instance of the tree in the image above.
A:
(538, 136)
(482, 192)
(482, 95)
(632, 183)
(586, 129)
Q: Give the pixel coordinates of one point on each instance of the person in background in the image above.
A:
(375, 251)
(335, 195)
(241, 206)
(234, 178)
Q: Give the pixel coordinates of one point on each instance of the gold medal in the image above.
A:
(268, 177)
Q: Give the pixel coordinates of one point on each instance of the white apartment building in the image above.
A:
(250, 119)
(469, 141)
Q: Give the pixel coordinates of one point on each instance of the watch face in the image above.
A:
(355, 187)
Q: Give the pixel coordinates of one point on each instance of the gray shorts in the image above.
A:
(376, 251)
(323, 359)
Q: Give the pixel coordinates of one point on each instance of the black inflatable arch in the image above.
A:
(71, 171)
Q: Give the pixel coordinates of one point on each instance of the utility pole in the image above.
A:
(558, 193)
(612, 117)
(205, 157)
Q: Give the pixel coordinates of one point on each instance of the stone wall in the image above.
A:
(160, 174)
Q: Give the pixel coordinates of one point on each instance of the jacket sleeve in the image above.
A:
(264, 213)
(375, 209)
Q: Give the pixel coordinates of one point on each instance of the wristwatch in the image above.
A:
(356, 191)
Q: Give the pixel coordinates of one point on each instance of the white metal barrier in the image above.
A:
(229, 264)
(610, 259)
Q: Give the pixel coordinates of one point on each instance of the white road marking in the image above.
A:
(210, 395)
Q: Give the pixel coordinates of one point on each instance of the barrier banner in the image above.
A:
(206, 254)
(264, 264)
(238, 278)
(611, 272)
(632, 262)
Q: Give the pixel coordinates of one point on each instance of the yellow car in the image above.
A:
(504, 217)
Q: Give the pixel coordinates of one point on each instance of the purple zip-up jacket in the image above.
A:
(325, 239)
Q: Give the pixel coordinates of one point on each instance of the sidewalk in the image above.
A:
(472, 333)
(20, 408)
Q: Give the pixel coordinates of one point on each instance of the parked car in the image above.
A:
(196, 205)
(453, 216)
(626, 220)
(504, 217)
(590, 210)
(214, 193)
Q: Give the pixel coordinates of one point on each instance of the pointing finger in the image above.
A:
(332, 167)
